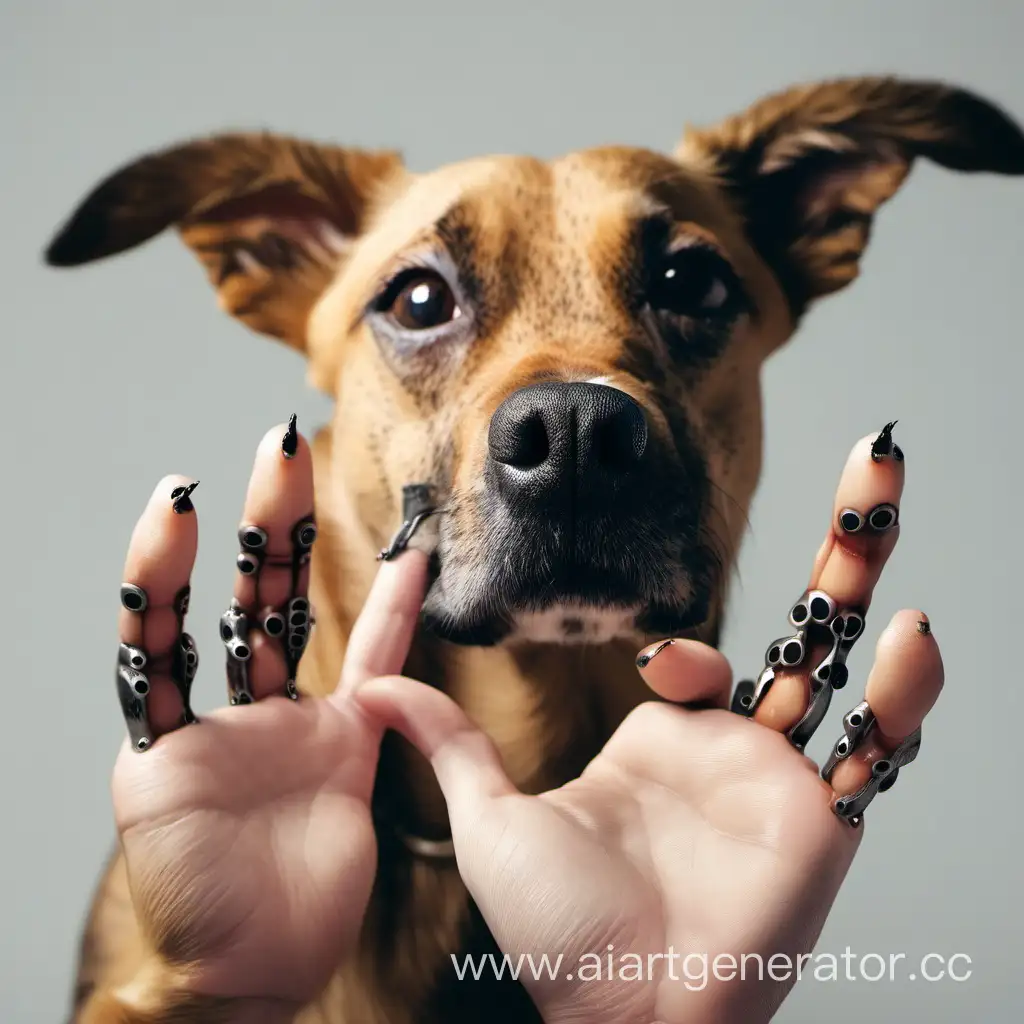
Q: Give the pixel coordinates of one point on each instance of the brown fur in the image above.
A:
(786, 191)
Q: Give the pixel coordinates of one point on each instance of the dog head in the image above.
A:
(567, 352)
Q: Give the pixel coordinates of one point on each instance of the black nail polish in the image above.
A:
(883, 445)
(290, 441)
(181, 498)
(924, 627)
(645, 659)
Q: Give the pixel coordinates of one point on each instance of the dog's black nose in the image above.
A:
(552, 436)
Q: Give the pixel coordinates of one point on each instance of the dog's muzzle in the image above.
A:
(586, 525)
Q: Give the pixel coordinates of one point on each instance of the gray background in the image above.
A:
(119, 373)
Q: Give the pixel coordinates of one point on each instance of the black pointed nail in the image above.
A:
(645, 659)
(290, 441)
(924, 627)
(181, 498)
(883, 445)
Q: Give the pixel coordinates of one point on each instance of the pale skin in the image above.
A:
(250, 847)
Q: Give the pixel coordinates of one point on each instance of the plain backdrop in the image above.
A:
(124, 371)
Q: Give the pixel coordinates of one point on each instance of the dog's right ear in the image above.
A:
(270, 218)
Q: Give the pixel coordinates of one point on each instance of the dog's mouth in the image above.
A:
(582, 526)
(574, 579)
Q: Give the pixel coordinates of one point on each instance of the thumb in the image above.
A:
(465, 760)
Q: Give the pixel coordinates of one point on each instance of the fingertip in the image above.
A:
(908, 675)
(861, 451)
(284, 440)
(163, 544)
(168, 484)
(686, 672)
(280, 488)
(407, 572)
(910, 634)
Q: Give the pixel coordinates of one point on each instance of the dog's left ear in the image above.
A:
(808, 168)
(270, 218)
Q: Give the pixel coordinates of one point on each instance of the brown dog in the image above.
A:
(570, 354)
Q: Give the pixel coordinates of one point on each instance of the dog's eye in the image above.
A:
(693, 282)
(419, 300)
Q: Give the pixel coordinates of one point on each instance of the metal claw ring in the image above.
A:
(830, 674)
(815, 616)
(813, 607)
(743, 697)
(133, 684)
(184, 665)
(884, 773)
(289, 623)
(304, 534)
(883, 517)
(133, 692)
(747, 702)
(253, 540)
(133, 598)
(879, 519)
(299, 621)
(857, 723)
(234, 633)
(417, 506)
(787, 651)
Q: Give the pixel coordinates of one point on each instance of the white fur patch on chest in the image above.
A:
(574, 624)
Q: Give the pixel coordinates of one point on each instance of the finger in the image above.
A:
(266, 629)
(903, 686)
(847, 567)
(153, 678)
(687, 672)
(382, 635)
(465, 760)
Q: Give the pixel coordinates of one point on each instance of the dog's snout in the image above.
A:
(546, 435)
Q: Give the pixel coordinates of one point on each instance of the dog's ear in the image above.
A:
(809, 167)
(270, 218)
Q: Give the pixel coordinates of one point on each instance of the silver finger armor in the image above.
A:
(133, 692)
(134, 666)
(881, 518)
(857, 726)
(290, 624)
(817, 620)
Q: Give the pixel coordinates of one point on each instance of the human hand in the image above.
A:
(699, 831)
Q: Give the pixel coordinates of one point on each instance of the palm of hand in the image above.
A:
(249, 842)
(688, 855)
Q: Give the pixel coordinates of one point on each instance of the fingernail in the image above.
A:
(290, 441)
(884, 446)
(924, 627)
(645, 659)
(181, 498)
